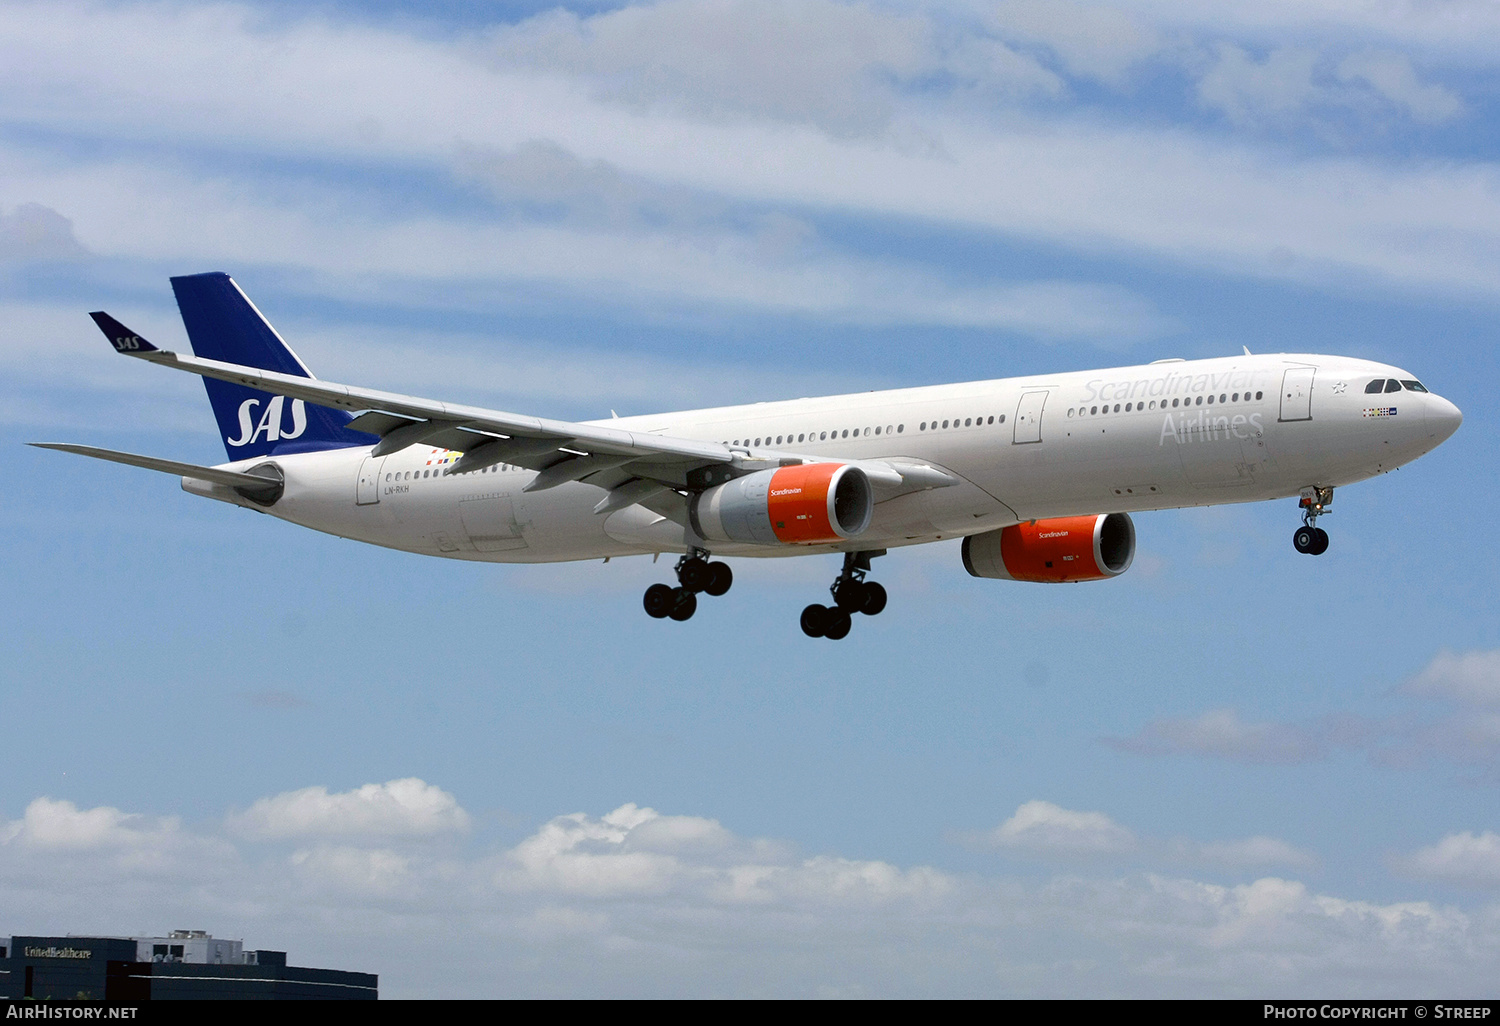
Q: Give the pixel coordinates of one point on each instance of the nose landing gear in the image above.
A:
(851, 594)
(1310, 539)
(694, 574)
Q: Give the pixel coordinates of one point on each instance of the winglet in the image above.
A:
(122, 338)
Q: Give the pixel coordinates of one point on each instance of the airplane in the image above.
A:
(1037, 474)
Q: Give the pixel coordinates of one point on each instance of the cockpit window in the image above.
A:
(1392, 385)
(1414, 386)
(1376, 386)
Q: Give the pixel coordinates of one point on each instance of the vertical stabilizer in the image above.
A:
(222, 324)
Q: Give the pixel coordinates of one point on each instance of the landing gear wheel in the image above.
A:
(1304, 539)
(838, 625)
(687, 604)
(874, 598)
(659, 600)
(815, 620)
(850, 595)
(1320, 542)
(719, 579)
(694, 574)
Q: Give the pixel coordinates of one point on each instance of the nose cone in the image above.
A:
(1443, 418)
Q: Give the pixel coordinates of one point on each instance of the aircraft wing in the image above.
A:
(561, 451)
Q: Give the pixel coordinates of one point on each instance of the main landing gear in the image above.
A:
(694, 574)
(1310, 539)
(851, 594)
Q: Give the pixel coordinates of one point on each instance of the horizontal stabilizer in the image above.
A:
(251, 485)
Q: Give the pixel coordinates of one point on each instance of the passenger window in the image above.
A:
(1413, 386)
(1002, 418)
(1117, 407)
(968, 422)
(823, 436)
(1375, 386)
(900, 428)
(1392, 385)
(1259, 394)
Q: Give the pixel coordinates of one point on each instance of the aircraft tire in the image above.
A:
(839, 623)
(694, 575)
(659, 600)
(687, 605)
(875, 599)
(850, 596)
(815, 620)
(720, 578)
(1304, 538)
(1320, 543)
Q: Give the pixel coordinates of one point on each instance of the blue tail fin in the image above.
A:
(222, 324)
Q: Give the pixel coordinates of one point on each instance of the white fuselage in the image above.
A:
(1164, 435)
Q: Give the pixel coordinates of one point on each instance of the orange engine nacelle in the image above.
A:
(806, 504)
(1088, 548)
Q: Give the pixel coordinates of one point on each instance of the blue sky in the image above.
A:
(1233, 771)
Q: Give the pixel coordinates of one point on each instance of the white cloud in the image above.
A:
(400, 101)
(397, 808)
(1469, 677)
(837, 66)
(1042, 828)
(1293, 82)
(1092, 40)
(1460, 30)
(51, 824)
(1392, 75)
(1047, 831)
(1247, 90)
(1251, 852)
(380, 872)
(1222, 733)
(1465, 859)
(635, 851)
(1466, 734)
(33, 232)
(636, 902)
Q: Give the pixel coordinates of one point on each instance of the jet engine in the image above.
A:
(807, 504)
(1090, 548)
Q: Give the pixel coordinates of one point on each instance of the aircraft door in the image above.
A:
(368, 491)
(1296, 393)
(1029, 417)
